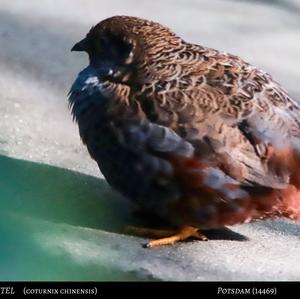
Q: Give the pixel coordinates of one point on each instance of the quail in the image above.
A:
(195, 136)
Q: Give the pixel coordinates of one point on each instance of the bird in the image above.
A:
(197, 137)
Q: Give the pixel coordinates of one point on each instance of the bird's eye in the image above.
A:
(116, 48)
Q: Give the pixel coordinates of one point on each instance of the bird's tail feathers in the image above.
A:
(213, 199)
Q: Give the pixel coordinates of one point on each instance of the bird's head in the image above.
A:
(120, 47)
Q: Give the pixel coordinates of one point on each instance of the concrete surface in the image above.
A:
(37, 69)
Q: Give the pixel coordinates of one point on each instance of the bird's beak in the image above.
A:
(81, 46)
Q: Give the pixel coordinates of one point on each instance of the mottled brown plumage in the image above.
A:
(224, 134)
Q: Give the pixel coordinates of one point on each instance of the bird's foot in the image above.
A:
(166, 237)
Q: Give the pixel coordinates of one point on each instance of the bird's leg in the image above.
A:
(149, 232)
(181, 235)
(167, 237)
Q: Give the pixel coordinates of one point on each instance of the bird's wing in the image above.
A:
(231, 112)
(186, 190)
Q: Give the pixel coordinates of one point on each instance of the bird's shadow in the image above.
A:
(140, 219)
(64, 196)
(60, 195)
(224, 234)
(41, 203)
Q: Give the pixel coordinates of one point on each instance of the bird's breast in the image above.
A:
(103, 115)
